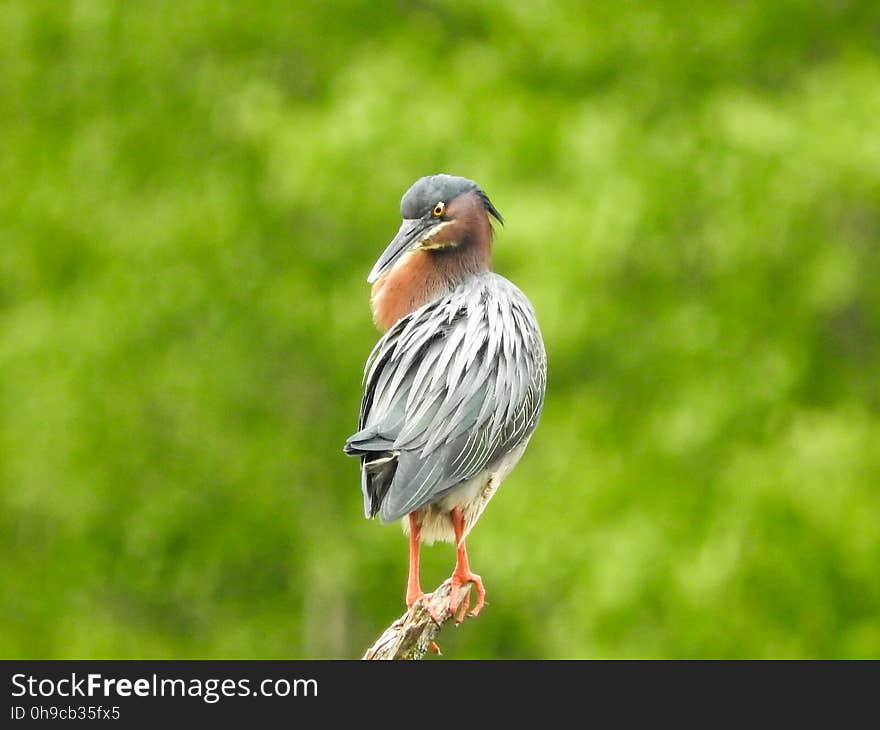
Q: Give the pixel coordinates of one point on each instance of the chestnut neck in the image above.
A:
(462, 249)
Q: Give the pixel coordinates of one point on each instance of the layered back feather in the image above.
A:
(449, 390)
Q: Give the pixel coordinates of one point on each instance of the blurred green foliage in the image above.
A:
(192, 195)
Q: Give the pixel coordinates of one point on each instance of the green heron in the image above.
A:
(455, 386)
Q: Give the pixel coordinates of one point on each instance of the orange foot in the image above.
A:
(458, 606)
(425, 598)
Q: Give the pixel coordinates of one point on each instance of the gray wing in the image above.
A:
(449, 390)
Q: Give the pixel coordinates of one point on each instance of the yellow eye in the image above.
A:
(439, 210)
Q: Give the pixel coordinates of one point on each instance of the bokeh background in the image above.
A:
(191, 196)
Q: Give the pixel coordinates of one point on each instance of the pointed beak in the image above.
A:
(411, 232)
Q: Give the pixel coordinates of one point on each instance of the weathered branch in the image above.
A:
(412, 635)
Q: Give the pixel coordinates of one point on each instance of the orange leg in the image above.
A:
(414, 591)
(462, 574)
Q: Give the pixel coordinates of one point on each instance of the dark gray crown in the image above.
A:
(426, 192)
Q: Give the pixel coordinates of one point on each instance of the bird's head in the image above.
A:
(440, 213)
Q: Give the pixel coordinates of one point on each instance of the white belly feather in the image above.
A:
(471, 496)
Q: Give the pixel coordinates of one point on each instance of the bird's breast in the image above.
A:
(414, 281)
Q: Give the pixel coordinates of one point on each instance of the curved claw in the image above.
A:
(462, 609)
(458, 605)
